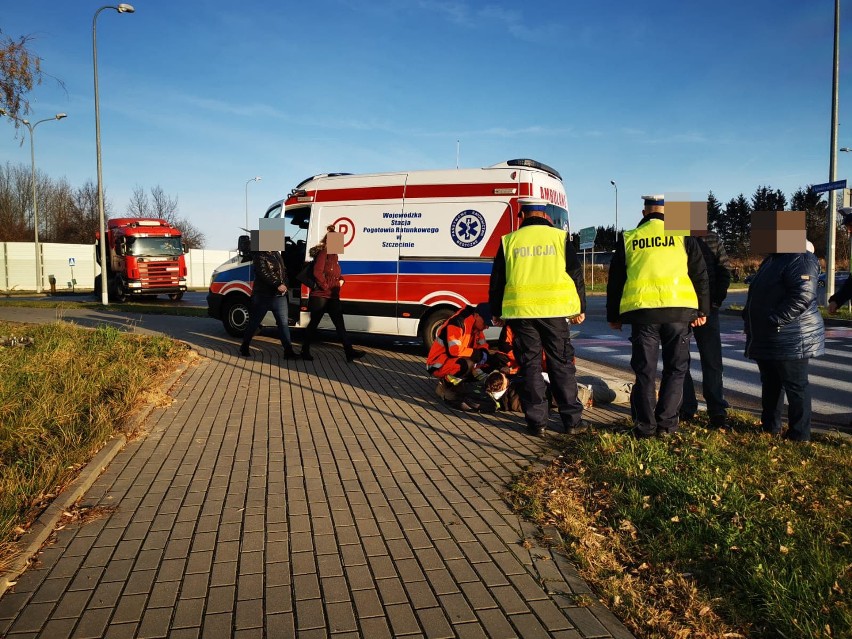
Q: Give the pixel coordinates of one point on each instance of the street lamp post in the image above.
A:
(254, 179)
(615, 186)
(845, 149)
(122, 8)
(31, 128)
(832, 165)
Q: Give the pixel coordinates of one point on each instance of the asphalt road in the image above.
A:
(830, 375)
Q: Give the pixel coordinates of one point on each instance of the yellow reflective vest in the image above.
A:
(536, 282)
(657, 270)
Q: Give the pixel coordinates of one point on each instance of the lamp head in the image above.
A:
(258, 179)
(125, 8)
(59, 116)
(612, 182)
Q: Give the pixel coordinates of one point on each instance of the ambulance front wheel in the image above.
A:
(430, 324)
(236, 316)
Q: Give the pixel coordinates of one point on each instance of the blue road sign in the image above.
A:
(828, 186)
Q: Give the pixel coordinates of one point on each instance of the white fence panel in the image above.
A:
(18, 268)
(55, 261)
(200, 264)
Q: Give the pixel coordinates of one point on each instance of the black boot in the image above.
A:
(289, 353)
(244, 350)
(352, 355)
(306, 354)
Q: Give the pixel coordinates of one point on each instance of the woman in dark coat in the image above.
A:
(784, 329)
(325, 298)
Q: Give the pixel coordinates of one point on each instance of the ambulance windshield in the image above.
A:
(295, 221)
(558, 216)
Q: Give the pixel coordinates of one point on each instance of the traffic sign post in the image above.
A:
(587, 238)
(587, 241)
(828, 186)
(836, 185)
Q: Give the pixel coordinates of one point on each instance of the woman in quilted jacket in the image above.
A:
(325, 298)
(784, 329)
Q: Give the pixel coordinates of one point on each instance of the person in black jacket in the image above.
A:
(842, 296)
(269, 293)
(784, 329)
(708, 337)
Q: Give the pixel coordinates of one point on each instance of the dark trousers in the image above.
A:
(260, 306)
(319, 306)
(709, 342)
(791, 377)
(553, 336)
(652, 413)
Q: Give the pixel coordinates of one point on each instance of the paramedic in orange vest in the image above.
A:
(460, 350)
(658, 284)
(537, 287)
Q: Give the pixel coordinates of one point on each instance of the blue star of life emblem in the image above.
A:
(468, 228)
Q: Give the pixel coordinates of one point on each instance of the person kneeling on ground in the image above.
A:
(460, 350)
(460, 355)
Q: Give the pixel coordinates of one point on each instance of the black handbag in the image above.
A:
(306, 276)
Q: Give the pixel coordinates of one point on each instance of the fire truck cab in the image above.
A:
(145, 256)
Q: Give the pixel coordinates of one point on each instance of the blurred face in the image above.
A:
(498, 393)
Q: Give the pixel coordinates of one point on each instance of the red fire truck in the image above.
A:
(145, 257)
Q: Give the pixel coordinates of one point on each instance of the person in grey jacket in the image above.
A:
(784, 330)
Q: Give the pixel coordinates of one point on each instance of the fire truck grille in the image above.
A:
(157, 274)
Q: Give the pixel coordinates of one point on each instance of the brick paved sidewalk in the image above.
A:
(280, 498)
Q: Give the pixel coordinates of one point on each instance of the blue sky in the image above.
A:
(199, 97)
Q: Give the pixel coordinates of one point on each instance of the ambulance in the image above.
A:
(418, 245)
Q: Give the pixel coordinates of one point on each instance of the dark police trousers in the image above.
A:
(709, 343)
(552, 335)
(651, 414)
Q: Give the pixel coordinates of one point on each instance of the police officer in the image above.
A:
(657, 283)
(537, 287)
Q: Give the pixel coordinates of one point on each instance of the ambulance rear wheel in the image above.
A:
(236, 316)
(429, 326)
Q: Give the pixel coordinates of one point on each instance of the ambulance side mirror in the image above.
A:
(244, 246)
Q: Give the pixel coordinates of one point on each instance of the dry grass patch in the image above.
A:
(61, 399)
(708, 534)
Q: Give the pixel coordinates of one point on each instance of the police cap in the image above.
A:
(654, 200)
(529, 204)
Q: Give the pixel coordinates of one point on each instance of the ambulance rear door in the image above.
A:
(369, 263)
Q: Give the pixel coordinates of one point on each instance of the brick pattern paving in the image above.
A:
(278, 498)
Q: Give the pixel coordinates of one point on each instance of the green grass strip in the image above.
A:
(61, 399)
